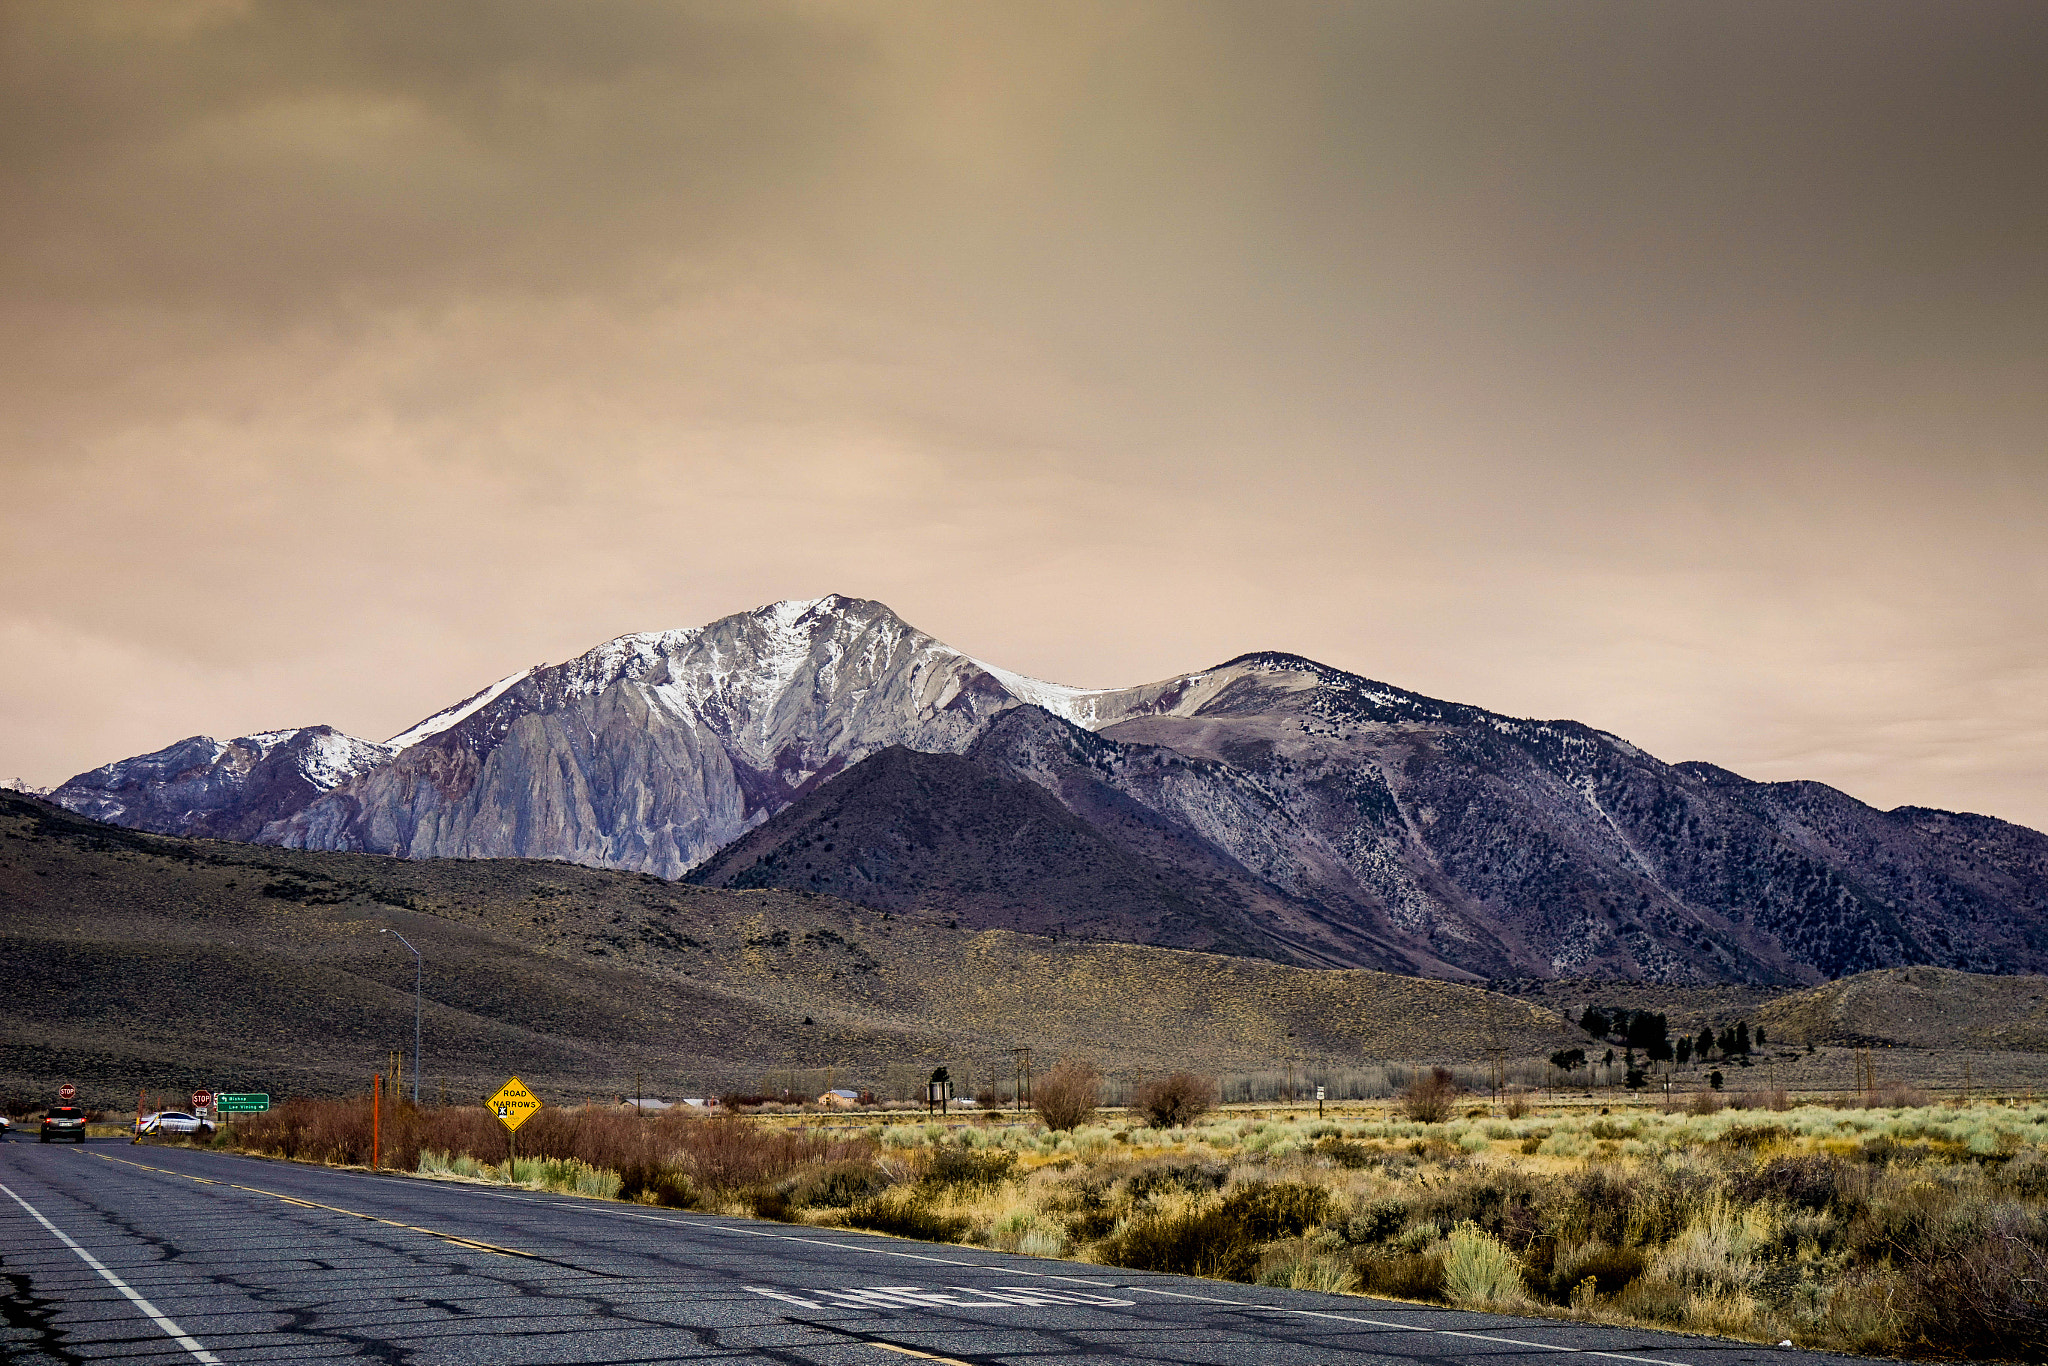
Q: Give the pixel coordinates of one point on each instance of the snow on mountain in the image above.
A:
(449, 716)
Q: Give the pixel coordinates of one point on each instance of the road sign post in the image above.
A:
(513, 1105)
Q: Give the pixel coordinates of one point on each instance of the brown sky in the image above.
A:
(1679, 368)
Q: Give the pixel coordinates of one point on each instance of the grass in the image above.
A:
(1916, 1231)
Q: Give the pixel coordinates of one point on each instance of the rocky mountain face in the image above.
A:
(1269, 806)
(224, 790)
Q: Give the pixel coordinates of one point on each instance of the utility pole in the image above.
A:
(418, 967)
(1020, 1078)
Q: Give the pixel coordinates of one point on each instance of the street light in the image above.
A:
(416, 968)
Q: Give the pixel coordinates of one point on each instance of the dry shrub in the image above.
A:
(1815, 1181)
(1184, 1244)
(1066, 1097)
(1482, 1271)
(1378, 1222)
(1778, 1099)
(1985, 1296)
(1267, 1210)
(1704, 1103)
(1348, 1155)
(1610, 1269)
(907, 1214)
(1175, 1101)
(1401, 1275)
(1516, 1101)
(969, 1167)
(1428, 1098)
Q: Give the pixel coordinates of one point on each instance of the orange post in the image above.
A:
(376, 1117)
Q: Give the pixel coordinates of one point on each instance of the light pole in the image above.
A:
(416, 969)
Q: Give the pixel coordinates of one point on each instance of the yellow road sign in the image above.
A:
(514, 1104)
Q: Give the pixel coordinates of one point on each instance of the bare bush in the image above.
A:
(1066, 1097)
(1516, 1100)
(1896, 1096)
(1428, 1098)
(665, 1158)
(1175, 1101)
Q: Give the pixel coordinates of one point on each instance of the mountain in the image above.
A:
(226, 790)
(1270, 805)
(1008, 836)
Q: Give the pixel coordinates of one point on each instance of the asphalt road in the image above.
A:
(162, 1254)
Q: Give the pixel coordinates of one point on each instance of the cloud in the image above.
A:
(1672, 369)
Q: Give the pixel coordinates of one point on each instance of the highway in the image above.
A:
(143, 1254)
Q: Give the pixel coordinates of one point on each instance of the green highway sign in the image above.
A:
(228, 1103)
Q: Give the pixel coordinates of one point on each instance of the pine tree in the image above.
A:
(1705, 1043)
(1594, 1022)
(1742, 1036)
(1659, 1035)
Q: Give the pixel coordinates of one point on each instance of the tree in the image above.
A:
(1635, 1080)
(1714, 1079)
(1742, 1036)
(1175, 1101)
(1608, 1063)
(1759, 1036)
(1705, 1043)
(1726, 1043)
(1658, 1038)
(1428, 1098)
(1684, 1049)
(1066, 1097)
(1594, 1022)
(1568, 1060)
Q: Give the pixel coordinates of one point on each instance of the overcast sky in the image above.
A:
(1677, 368)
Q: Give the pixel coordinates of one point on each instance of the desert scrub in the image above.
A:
(1915, 1231)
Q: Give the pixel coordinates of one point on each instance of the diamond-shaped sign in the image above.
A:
(514, 1104)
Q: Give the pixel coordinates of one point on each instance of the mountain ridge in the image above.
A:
(1340, 820)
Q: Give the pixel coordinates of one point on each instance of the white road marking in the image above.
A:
(917, 1297)
(177, 1334)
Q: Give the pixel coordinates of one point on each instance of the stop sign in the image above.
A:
(67, 1092)
(201, 1099)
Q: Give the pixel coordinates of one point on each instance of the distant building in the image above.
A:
(838, 1099)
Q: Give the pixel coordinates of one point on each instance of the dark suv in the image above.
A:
(63, 1121)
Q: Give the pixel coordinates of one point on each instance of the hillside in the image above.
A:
(129, 959)
(1923, 1008)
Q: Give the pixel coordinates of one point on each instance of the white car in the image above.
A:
(172, 1122)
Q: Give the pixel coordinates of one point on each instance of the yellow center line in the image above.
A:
(456, 1239)
(913, 1352)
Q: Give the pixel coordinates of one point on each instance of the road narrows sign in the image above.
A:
(514, 1104)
